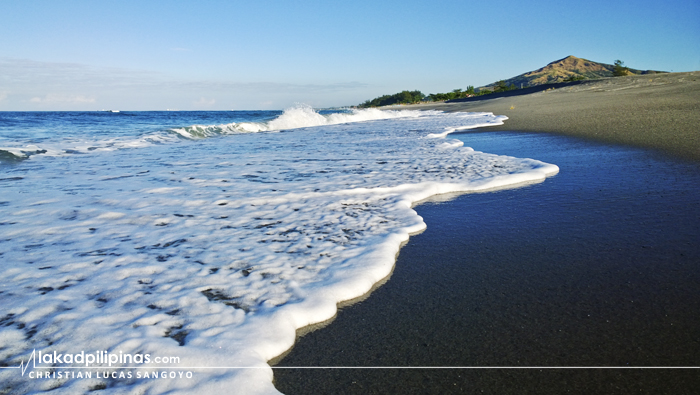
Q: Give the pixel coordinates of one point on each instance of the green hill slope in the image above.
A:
(563, 70)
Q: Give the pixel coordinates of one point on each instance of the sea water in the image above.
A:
(196, 243)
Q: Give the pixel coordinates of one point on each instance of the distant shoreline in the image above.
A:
(657, 111)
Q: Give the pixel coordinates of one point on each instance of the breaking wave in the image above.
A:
(300, 116)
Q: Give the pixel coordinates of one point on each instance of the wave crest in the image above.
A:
(300, 116)
(12, 155)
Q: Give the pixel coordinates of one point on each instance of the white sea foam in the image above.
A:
(293, 118)
(216, 250)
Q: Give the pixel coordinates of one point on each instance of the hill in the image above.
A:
(568, 69)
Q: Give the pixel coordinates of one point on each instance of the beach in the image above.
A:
(585, 283)
(213, 239)
(657, 111)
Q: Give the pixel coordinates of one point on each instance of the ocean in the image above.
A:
(180, 251)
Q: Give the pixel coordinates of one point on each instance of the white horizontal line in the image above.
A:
(483, 367)
(361, 367)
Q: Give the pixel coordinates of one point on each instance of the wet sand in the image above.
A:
(597, 266)
(657, 111)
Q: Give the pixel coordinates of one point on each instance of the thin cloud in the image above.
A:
(202, 102)
(23, 73)
(36, 84)
(63, 99)
(32, 75)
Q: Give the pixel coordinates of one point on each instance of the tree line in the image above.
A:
(404, 97)
(410, 97)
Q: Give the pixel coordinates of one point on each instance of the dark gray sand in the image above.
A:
(598, 266)
(658, 111)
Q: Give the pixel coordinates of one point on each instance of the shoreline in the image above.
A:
(516, 308)
(564, 274)
(657, 111)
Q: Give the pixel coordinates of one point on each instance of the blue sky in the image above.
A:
(224, 55)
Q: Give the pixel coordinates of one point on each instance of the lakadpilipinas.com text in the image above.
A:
(102, 365)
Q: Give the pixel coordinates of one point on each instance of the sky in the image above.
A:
(260, 55)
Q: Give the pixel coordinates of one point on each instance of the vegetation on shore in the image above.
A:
(411, 97)
(620, 70)
(569, 69)
(404, 97)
